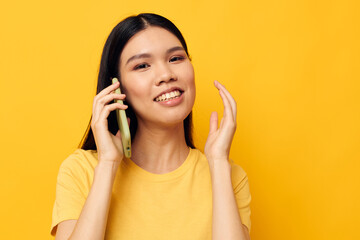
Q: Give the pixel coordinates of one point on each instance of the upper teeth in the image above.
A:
(168, 96)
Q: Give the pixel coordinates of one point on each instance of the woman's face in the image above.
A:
(157, 77)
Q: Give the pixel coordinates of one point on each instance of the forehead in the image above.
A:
(151, 40)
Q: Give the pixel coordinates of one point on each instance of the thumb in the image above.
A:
(213, 122)
(118, 134)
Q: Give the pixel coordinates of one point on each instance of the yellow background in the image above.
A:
(292, 66)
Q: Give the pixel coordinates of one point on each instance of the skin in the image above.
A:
(160, 133)
(166, 65)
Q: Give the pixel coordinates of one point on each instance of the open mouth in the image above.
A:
(168, 96)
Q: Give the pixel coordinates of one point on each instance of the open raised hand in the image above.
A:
(217, 147)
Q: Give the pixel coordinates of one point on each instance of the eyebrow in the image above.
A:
(147, 55)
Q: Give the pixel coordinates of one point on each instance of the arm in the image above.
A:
(93, 217)
(226, 222)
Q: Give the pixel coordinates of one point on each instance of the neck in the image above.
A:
(159, 149)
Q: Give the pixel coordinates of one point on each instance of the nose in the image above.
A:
(164, 74)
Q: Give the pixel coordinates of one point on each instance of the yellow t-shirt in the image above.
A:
(144, 205)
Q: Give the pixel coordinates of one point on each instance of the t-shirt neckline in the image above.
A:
(149, 176)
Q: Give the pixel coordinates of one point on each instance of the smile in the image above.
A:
(168, 96)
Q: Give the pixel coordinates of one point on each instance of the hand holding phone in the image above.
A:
(123, 125)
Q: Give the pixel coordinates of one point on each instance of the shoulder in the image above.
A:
(196, 153)
(80, 161)
(239, 177)
(237, 172)
(199, 157)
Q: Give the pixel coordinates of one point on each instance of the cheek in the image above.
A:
(187, 73)
(189, 76)
(135, 88)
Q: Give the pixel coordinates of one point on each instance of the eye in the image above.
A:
(141, 66)
(177, 58)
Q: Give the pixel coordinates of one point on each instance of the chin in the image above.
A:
(173, 120)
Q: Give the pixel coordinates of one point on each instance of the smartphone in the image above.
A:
(123, 125)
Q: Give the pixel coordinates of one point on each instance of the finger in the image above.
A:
(229, 97)
(118, 134)
(108, 89)
(110, 97)
(101, 102)
(213, 122)
(227, 107)
(128, 120)
(104, 92)
(108, 108)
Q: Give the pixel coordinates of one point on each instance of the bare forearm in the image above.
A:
(93, 218)
(226, 222)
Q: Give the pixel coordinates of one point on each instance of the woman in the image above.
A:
(168, 189)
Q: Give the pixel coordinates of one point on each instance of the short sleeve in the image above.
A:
(72, 188)
(242, 194)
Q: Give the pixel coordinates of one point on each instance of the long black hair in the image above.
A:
(113, 48)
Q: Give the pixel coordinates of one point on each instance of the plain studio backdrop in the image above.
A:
(292, 66)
